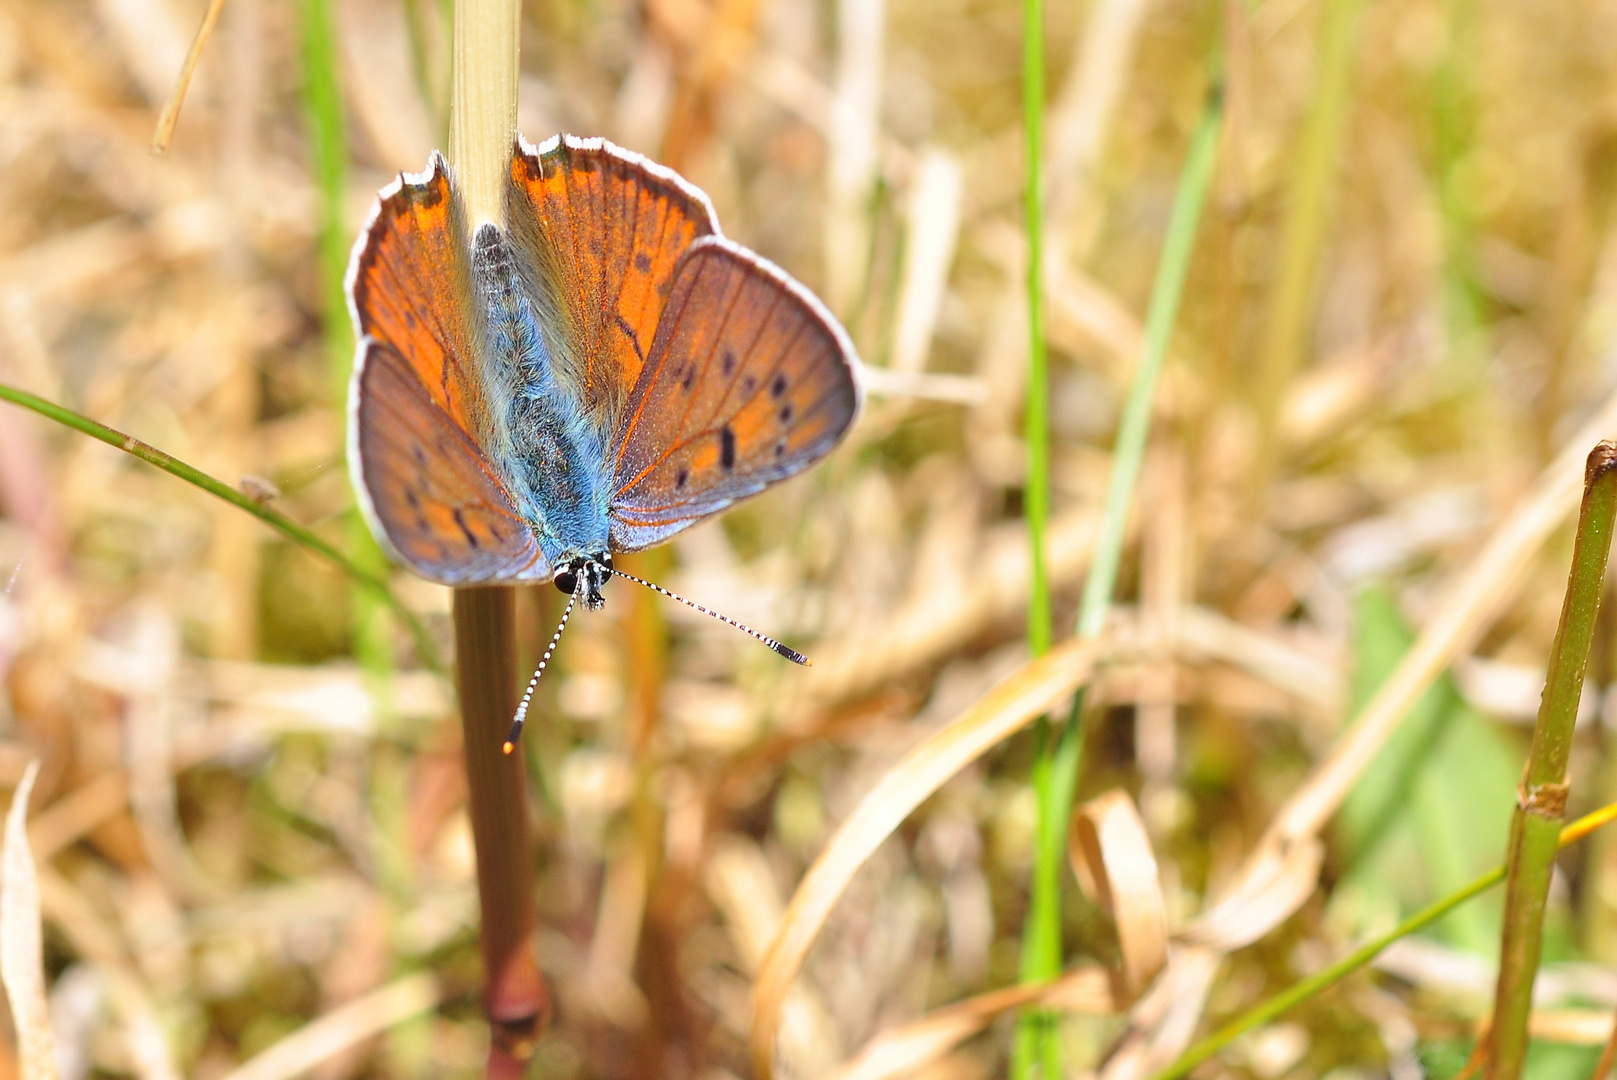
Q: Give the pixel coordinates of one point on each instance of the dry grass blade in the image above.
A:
(1269, 890)
(931, 232)
(1112, 858)
(904, 1050)
(1006, 709)
(341, 1028)
(21, 960)
(182, 83)
(1473, 598)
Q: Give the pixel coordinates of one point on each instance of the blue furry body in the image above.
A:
(554, 459)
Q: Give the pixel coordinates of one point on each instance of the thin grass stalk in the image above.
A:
(170, 116)
(1056, 773)
(1327, 977)
(483, 104)
(1036, 495)
(487, 679)
(1041, 942)
(276, 520)
(328, 150)
(1541, 798)
(482, 132)
(1303, 232)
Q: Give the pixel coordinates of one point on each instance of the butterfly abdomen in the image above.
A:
(554, 464)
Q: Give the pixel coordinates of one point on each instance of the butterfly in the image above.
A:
(597, 374)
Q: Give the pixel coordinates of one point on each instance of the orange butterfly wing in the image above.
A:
(605, 229)
(748, 381)
(409, 286)
(426, 488)
(418, 411)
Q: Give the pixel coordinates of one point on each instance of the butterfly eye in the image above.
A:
(566, 579)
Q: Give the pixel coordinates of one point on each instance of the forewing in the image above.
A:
(425, 486)
(409, 287)
(604, 229)
(749, 380)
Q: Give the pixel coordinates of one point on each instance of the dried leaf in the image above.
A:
(1112, 857)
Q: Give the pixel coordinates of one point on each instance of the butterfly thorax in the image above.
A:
(553, 458)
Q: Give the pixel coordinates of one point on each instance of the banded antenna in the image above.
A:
(527, 695)
(785, 650)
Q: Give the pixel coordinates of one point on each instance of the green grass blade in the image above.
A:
(220, 490)
(1055, 772)
(1036, 498)
(1041, 937)
(1160, 318)
(328, 151)
(1308, 205)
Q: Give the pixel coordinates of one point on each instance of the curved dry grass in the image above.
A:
(1010, 706)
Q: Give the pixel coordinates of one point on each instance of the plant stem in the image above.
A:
(1056, 771)
(482, 133)
(514, 994)
(220, 490)
(483, 104)
(1541, 798)
(1317, 983)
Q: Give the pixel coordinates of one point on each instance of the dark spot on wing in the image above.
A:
(682, 476)
(429, 194)
(410, 497)
(419, 454)
(642, 262)
(780, 448)
(460, 520)
(778, 386)
(628, 332)
(786, 413)
(748, 385)
(689, 380)
(729, 360)
(727, 447)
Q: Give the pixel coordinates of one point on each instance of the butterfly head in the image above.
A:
(583, 576)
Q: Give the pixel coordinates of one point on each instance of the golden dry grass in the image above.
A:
(248, 845)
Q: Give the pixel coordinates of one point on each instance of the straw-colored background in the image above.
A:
(1403, 302)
